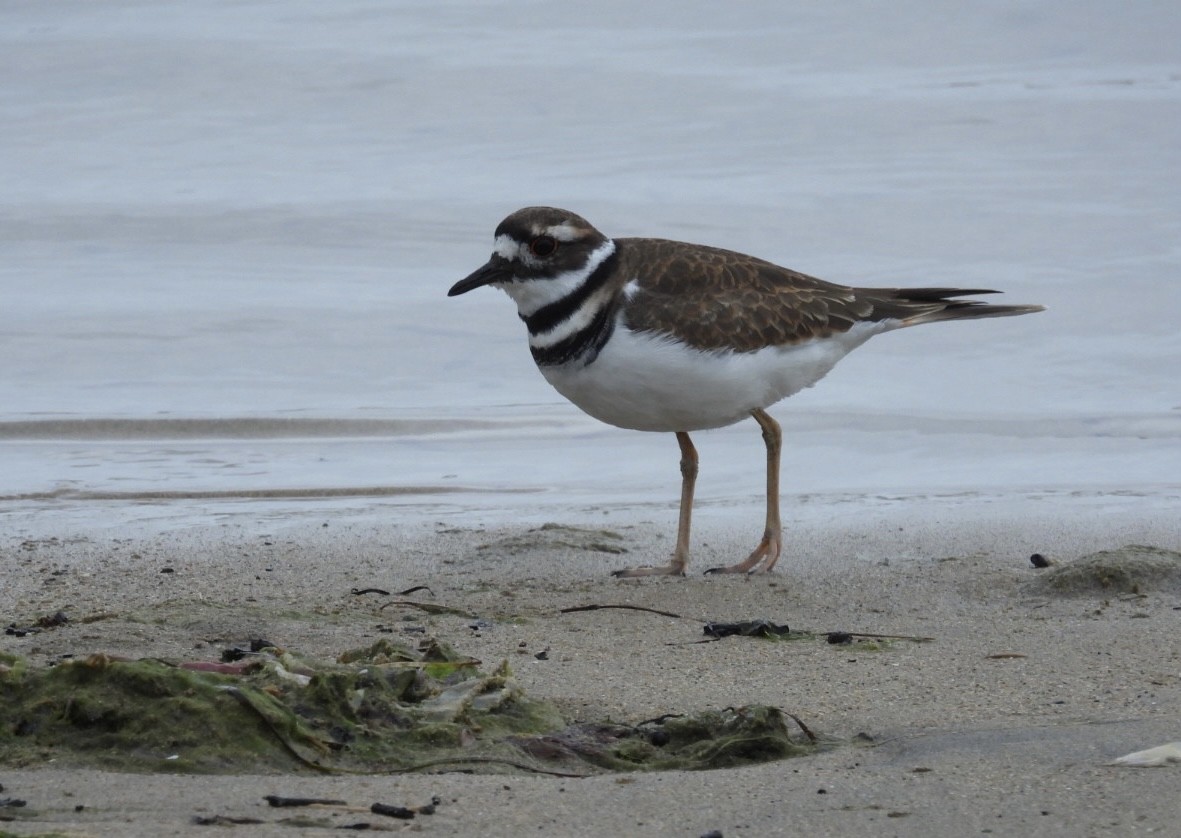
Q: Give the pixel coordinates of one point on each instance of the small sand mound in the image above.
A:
(549, 538)
(1134, 569)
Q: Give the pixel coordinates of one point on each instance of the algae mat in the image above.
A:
(382, 709)
(1134, 569)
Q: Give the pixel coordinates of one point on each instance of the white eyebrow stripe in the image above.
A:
(564, 232)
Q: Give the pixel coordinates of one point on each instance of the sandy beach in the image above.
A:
(1003, 722)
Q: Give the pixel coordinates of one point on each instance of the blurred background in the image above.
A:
(228, 229)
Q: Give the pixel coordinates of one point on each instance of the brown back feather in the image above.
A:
(719, 299)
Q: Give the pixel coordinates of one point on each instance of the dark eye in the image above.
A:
(543, 246)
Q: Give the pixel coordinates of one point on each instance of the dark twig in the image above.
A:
(279, 801)
(429, 607)
(383, 592)
(224, 820)
(628, 607)
(911, 637)
(389, 811)
(807, 732)
(524, 766)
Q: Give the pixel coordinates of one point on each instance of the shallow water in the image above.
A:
(248, 214)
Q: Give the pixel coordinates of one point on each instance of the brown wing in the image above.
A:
(718, 299)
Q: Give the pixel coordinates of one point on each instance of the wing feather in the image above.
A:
(716, 299)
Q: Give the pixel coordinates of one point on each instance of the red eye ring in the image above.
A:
(543, 246)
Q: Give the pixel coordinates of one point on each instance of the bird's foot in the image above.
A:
(762, 560)
(674, 568)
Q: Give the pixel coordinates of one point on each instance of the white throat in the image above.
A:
(531, 295)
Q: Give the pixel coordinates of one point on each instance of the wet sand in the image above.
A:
(1004, 722)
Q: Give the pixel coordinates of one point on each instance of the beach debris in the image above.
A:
(1152, 757)
(746, 628)
(40, 624)
(392, 811)
(295, 677)
(382, 592)
(577, 608)
(799, 722)
(215, 666)
(279, 801)
(1040, 561)
(385, 708)
(1133, 569)
(224, 820)
(96, 618)
(252, 648)
(20, 631)
(428, 607)
(710, 739)
(715, 630)
(406, 812)
(845, 637)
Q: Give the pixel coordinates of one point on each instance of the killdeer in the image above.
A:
(659, 335)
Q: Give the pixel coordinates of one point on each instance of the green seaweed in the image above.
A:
(384, 708)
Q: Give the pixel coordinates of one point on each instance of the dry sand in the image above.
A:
(1004, 723)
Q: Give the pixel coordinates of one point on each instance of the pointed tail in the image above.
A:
(915, 306)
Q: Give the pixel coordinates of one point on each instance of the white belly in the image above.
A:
(650, 383)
